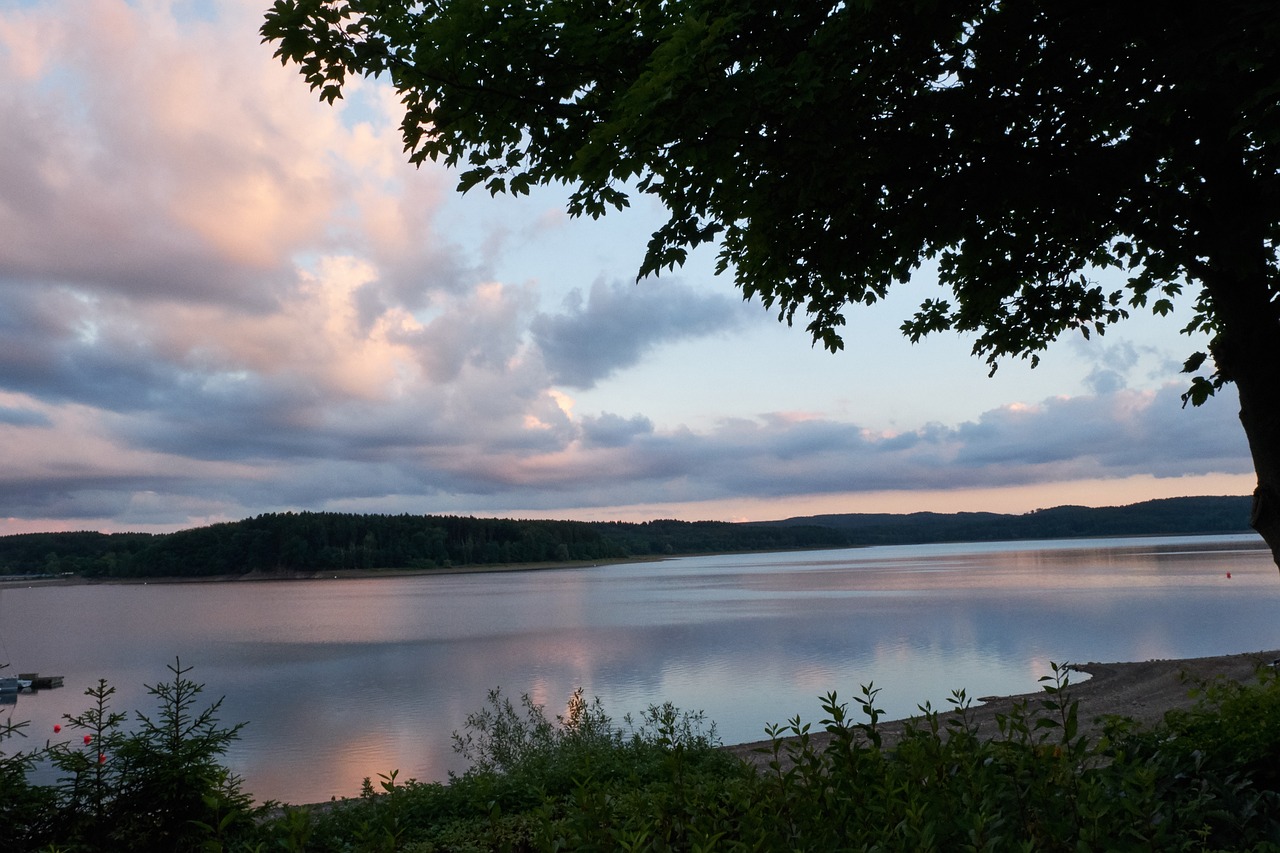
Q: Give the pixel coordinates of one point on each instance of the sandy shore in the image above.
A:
(1143, 691)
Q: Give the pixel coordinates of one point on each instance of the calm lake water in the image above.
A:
(343, 679)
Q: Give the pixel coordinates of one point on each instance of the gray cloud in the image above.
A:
(219, 298)
(1114, 436)
(15, 416)
(610, 430)
(55, 349)
(618, 322)
(72, 500)
(388, 459)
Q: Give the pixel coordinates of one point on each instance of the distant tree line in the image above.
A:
(1164, 517)
(311, 541)
(81, 553)
(320, 541)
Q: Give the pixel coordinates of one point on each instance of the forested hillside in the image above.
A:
(308, 541)
(1166, 517)
(293, 542)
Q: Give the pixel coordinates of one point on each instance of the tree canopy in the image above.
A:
(325, 541)
(829, 150)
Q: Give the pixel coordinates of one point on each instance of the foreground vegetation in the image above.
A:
(326, 541)
(1205, 779)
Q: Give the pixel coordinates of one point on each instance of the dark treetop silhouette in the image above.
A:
(830, 149)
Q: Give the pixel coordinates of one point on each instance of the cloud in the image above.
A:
(618, 322)
(1112, 365)
(1093, 437)
(403, 456)
(138, 158)
(610, 430)
(22, 417)
(219, 297)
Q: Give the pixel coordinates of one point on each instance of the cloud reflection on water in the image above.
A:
(346, 679)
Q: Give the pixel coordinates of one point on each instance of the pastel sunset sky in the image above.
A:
(220, 297)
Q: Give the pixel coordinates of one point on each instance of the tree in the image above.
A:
(831, 149)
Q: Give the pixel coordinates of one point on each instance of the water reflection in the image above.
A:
(346, 679)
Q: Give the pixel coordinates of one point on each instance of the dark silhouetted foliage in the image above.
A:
(323, 541)
(1058, 164)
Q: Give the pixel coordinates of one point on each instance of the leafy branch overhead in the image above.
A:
(829, 150)
(832, 149)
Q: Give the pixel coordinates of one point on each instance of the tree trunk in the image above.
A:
(1260, 415)
(1239, 277)
(1247, 352)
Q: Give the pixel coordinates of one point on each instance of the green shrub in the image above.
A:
(526, 771)
(1215, 769)
(158, 788)
(26, 811)
(1206, 779)
(1038, 785)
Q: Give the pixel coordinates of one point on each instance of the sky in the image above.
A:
(220, 297)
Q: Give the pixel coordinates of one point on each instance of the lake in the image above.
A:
(343, 679)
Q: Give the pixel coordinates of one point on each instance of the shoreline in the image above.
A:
(325, 574)
(70, 579)
(1142, 690)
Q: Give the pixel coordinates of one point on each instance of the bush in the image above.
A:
(1203, 780)
(159, 788)
(26, 810)
(526, 771)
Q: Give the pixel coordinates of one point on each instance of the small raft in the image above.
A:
(29, 681)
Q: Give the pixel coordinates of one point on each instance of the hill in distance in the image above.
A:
(300, 543)
(1165, 517)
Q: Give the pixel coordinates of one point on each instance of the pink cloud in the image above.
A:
(219, 297)
(141, 149)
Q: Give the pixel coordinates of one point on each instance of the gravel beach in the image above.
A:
(1143, 691)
